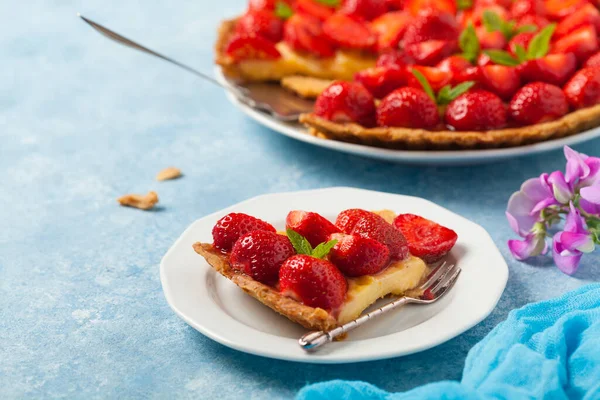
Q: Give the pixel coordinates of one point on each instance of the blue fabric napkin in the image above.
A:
(546, 350)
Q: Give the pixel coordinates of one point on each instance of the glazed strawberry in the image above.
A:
(250, 48)
(538, 102)
(593, 61)
(349, 32)
(312, 8)
(358, 256)
(490, 40)
(501, 80)
(365, 9)
(397, 59)
(304, 33)
(520, 8)
(260, 5)
(346, 102)
(436, 77)
(583, 90)
(315, 228)
(521, 39)
(390, 28)
(530, 19)
(347, 219)
(557, 9)
(426, 239)
(456, 65)
(416, 7)
(408, 107)
(501, 12)
(476, 111)
(313, 281)
(586, 15)
(582, 42)
(553, 68)
(471, 74)
(431, 52)
(260, 23)
(381, 81)
(231, 227)
(433, 26)
(260, 254)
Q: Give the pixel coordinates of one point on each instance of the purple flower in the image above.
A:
(570, 244)
(524, 206)
(581, 169)
(590, 199)
(534, 244)
(562, 191)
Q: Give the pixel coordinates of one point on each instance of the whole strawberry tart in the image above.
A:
(322, 274)
(426, 74)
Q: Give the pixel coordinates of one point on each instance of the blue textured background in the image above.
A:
(83, 121)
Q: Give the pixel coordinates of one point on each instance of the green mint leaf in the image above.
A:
(460, 89)
(502, 57)
(492, 21)
(521, 53)
(424, 82)
(282, 10)
(323, 249)
(443, 96)
(527, 28)
(540, 43)
(469, 43)
(329, 3)
(464, 4)
(299, 242)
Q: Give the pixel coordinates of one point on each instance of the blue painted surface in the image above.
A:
(83, 121)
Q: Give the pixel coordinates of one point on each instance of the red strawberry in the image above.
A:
(231, 227)
(313, 281)
(487, 3)
(381, 81)
(426, 239)
(431, 52)
(366, 9)
(582, 42)
(593, 61)
(553, 68)
(390, 29)
(583, 90)
(313, 9)
(416, 7)
(315, 228)
(536, 20)
(472, 74)
(490, 40)
(456, 65)
(408, 107)
(349, 32)
(357, 256)
(304, 33)
(501, 80)
(522, 39)
(250, 48)
(395, 5)
(476, 111)
(260, 254)
(259, 5)
(478, 12)
(260, 23)
(370, 225)
(557, 9)
(346, 102)
(397, 59)
(433, 26)
(538, 102)
(520, 8)
(586, 15)
(436, 77)
(465, 18)
(484, 60)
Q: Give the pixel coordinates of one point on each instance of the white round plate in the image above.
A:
(220, 310)
(429, 157)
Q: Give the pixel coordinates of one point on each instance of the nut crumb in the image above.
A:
(168, 173)
(143, 202)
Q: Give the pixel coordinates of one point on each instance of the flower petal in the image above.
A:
(591, 194)
(576, 166)
(543, 204)
(574, 222)
(577, 242)
(531, 246)
(594, 175)
(561, 190)
(537, 189)
(566, 261)
(519, 208)
(588, 207)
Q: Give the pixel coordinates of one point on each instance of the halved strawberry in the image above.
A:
(381, 81)
(477, 110)
(479, 10)
(366, 9)
(314, 227)
(260, 23)
(426, 239)
(520, 8)
(346, 102)
(553, 68)
(436, 77)
(259, 5)
(349, 32)
(357, 256)
(465, 18)
(231, 227)
(501, 80)
(416, 7)
(390, 29)
(582, 42)
(487, 3)
(398, 59)
(484, 60)
(456, 65)
(538, 102)
(557, 9)
(586, 15)
(490, 40)
(521, 39)
(408, 107)
(583, 90)
(250, 48)
(593, 61)
(530, 19)
(432, 26)
(431, 52)
(313, 9)
(304, 33)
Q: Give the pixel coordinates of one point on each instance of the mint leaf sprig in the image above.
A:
(469, 44)
(302, 246)
(494, 23)
(283, 10)
(538, 47)
(446, 94)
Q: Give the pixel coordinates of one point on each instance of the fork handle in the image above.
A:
(313, 340)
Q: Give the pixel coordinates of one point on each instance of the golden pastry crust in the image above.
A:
(305, 86)
(404, 138)
(308, 317)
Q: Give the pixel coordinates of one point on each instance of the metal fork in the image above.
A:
(440, 281)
